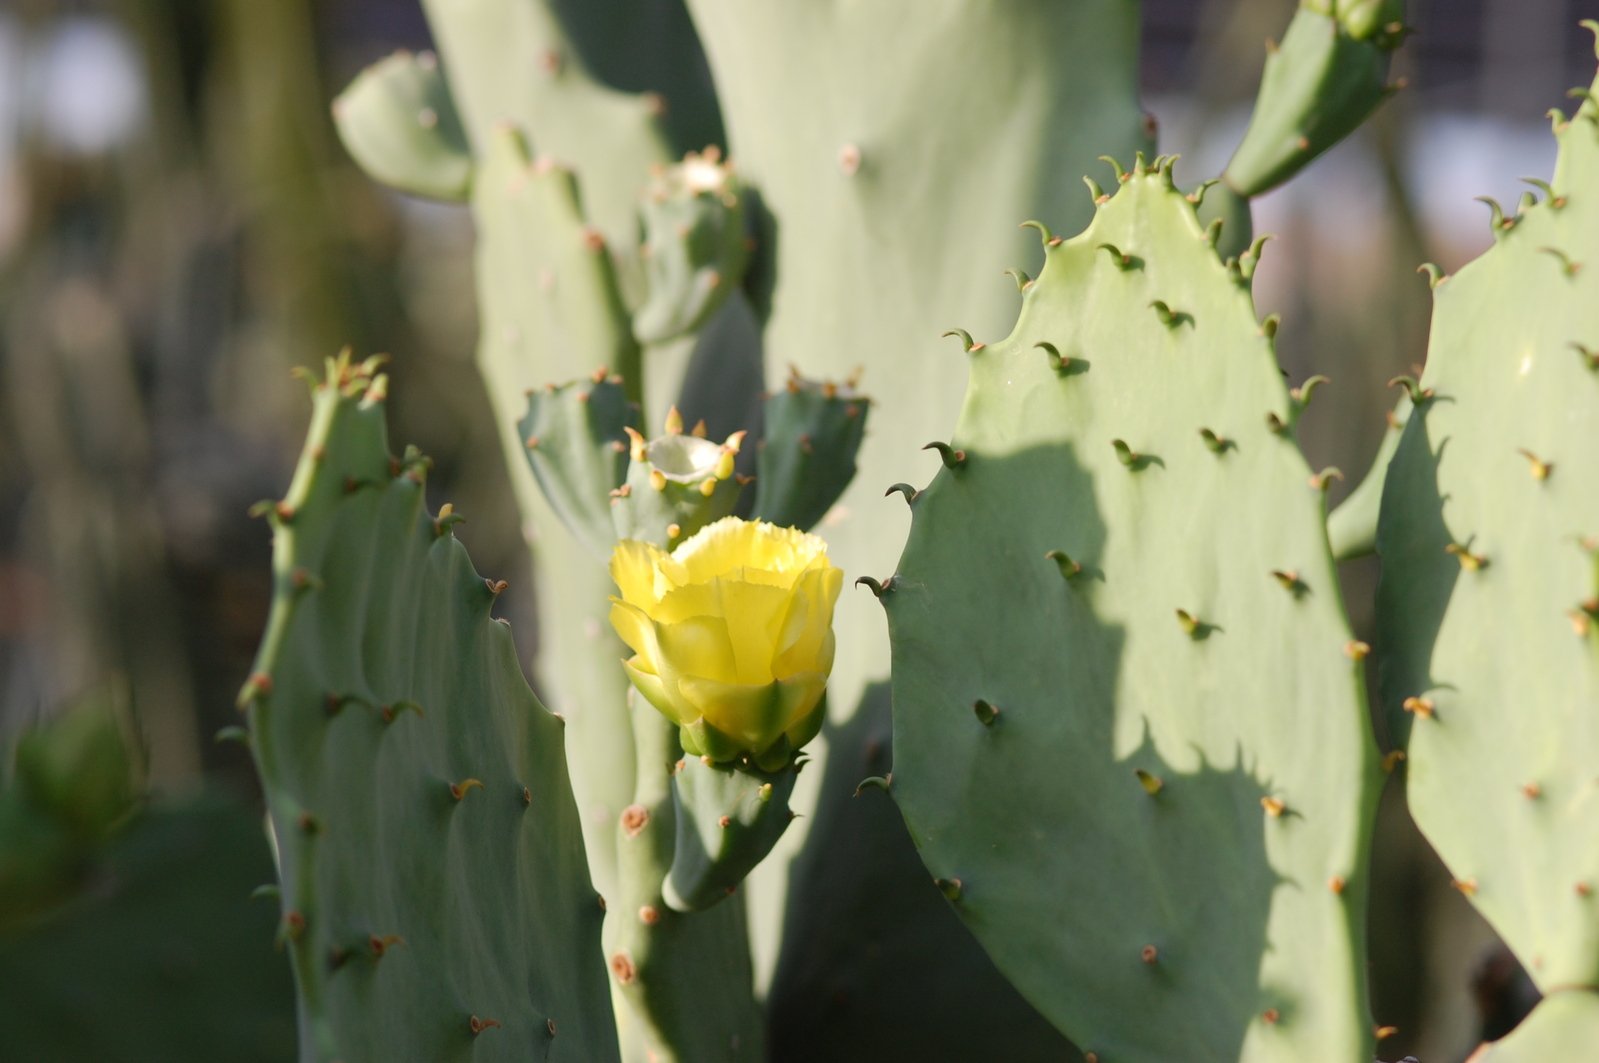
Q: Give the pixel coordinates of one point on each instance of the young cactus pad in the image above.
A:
(1488, 609)
(1130, 739)
(436, 904)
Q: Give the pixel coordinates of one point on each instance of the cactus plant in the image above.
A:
(434, 895)
(1489, 601)
(1149, 678)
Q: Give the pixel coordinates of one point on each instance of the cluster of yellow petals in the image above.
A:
(732, 629)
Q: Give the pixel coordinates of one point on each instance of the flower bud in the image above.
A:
(732, 636)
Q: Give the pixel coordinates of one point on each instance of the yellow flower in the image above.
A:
(732, 635)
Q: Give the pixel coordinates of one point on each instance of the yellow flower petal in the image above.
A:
(634, 566)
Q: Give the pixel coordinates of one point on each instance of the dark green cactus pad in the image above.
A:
(807, 454)
(1488, 609)
(436, 904)
(576, 441)
(398, 121)
(1326, 77)
(1130, 740)
(695, 246)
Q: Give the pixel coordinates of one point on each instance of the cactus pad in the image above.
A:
(1488, 609)
(1129, 739)
(436, 903)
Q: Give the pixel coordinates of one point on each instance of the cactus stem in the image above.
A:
(1569, 267)
(986, 712)
(1068, 568)
(907, 490)
(1273, 806)
(1469, 561)
(875, 782)
(634, 819)
(1421, 708)
(1539, 469)
(952, 458)
(949, 887)
(1152, 784)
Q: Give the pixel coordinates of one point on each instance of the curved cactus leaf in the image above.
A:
(1129, 739)
(435, 899)
(398, 121)
(1488, 608)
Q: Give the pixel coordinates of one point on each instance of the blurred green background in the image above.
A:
(179, 228)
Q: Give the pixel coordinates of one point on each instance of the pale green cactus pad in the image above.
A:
(436, 903)
(1130, 735)
(1488, 609)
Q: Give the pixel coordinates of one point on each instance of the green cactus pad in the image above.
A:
(807, 454)
(1326, 77)
(577, 447)
(728, 819)
(677, 483)
(695, 246)
(398, 121)
(436, 904)
(1130, 740)
(1488, 609)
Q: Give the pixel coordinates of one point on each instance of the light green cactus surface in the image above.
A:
(435, 899)
(1489, 603)
(1131, 741)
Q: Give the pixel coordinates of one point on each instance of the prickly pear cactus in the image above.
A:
(1488, 609)
(1130, 738)
(435, 899)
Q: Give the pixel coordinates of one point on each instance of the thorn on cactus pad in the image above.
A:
(1336, 885)
(1149, 954)
(952, 458)
(1172, 319)
(1068, 568)
(1132, 459)
(1539, 468)
(1100, 198)
(1356, 650)
(1121, 174)
(1567, 265)
(1469, 561)
(1590, 356)
(1531, 791)
(378, 945)
(1023, 281)
(477, 1025)
(1584, 889)
(1392, 760)
(985, 711)
(1382, 1033)
(459, 790)
(949, 887)
(1121, 259)
(1323, 479)
(1044, 235)
(1418, 394)
(1270, 1016)
(1556, 202)
(1273, 806)
(1435, 276)
(1216, 444)
(648, 914)
(634, 819)
(1289, 580)
(970, 345)
(1467, 886)
(1304, 392)
(875, 782)
(622, 968)
(907, 490)
(1152, 784)
(877, 589)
